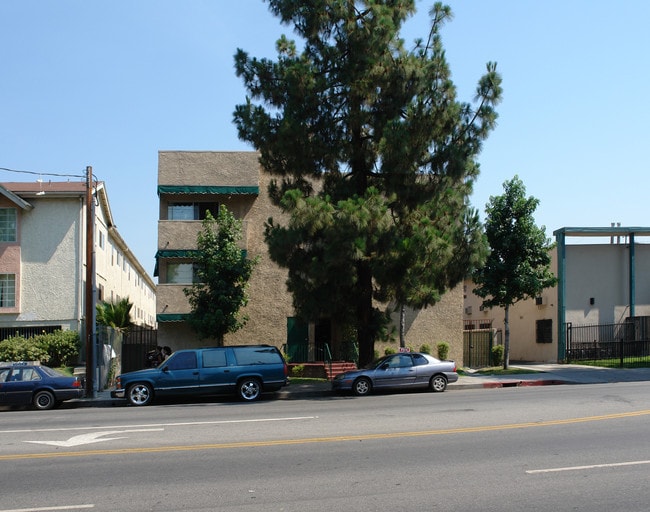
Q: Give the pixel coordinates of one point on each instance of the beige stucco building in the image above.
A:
(604, 281)
(43, 256)
(189, 182)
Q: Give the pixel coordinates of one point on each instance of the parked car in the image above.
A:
(25, 383)
(246, 370)
(398, 371)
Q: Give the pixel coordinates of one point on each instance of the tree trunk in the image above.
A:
(506, 339)
(365, 325)
(402, 315)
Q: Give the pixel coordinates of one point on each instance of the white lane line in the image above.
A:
(46, 509)
(591, 466)
(153, 425)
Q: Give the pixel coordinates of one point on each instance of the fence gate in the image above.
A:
(477, 347)
(137, 342)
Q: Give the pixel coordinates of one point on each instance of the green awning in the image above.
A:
(213, 190)
(177, 253)
(171, 317)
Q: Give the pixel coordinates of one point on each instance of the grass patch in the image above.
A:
(642, 362)
(306, 380)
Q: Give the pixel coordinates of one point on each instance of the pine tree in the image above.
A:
(373, 159)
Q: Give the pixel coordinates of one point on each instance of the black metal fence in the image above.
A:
(621, 344)
(135, 346)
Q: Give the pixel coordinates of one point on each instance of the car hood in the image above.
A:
(140, 373)
(350, 374)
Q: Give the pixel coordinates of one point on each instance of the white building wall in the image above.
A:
(51, 274)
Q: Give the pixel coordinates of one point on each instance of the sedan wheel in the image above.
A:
(250, 389)
(438, 383)
(362, 386)
(140, 394)
(44, 400)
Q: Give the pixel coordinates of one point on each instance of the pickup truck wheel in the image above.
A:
(249, 389)
(139, 394)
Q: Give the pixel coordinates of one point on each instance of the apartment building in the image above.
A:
(191, 182)
(43, 257)
(604, 279)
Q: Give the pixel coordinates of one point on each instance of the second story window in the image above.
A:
(191, 211)
(7, 224)
(181, 273)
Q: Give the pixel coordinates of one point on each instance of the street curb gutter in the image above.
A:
(522, 383)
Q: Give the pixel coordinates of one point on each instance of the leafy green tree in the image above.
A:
(116, 315)
(518, 265)
(378, 128)
(222, 276)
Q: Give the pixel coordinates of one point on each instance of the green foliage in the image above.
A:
(518, 265)
(496, 355)
(394, 152)
(17, 348)
(389, 350)
(116, 315)
(298, 370)
(222, 274)
(57, 349)
(425, 349)
(443, 350)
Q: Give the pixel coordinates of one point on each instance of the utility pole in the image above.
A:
(90, 278)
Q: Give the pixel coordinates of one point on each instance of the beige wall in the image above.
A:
(598, 271)
(270, 305)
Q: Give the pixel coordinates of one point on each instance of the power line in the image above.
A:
(44, 173)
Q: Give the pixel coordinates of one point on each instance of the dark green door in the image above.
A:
(297, 340)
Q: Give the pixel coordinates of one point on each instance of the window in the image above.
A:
(181, 273)
(191, 211)
(7, 291)
(182, 361)
(214, 358)
(7, 224)
(544, 331)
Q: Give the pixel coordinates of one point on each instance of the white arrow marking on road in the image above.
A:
(93, 437)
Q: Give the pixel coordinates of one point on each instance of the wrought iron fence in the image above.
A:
(620, 344)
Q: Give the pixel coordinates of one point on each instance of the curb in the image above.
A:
(523, 383)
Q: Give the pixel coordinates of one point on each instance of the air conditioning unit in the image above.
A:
(468, 310)
(540, 301)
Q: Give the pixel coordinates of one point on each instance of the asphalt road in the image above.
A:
(540, 448)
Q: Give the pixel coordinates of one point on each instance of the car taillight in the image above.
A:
(118, 383)
(76, 383)
(286, 369)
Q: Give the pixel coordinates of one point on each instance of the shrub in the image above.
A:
(389, 350)
(63, 347)
(298, 370)
(425, 349)
(496, 354)
(443, 350)
(17, 348)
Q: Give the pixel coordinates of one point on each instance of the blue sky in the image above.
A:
(109, 84)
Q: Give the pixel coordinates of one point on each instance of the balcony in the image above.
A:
(182, 234)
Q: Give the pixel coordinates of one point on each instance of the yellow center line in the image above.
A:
(329, 439)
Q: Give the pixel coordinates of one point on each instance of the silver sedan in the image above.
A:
(398, 371)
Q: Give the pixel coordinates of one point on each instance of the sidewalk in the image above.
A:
(545, 375)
